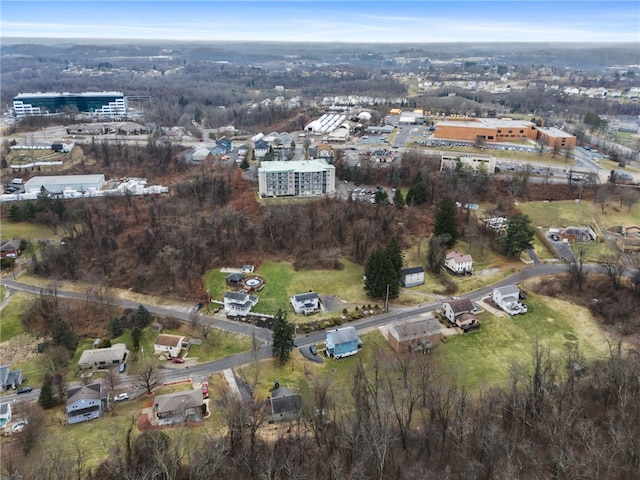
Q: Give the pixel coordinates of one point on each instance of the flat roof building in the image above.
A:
(60, 183)
(54, 103)
(296, 178)
(486, 130)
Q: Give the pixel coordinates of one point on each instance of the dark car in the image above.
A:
(25, 390)
(197, 307)
(313, 350)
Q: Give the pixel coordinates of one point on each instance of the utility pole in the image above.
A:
(386, 300)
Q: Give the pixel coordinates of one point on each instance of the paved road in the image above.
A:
(201, 371)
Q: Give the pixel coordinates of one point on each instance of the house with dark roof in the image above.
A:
(576, 234)
(411, 277)
(10, 378)
(305, 303)
(84, 403)
(178, 407)
(342, 342)
(417, 336)
(461, 313)
(234, 279)
(10, 249)
(283, 404)
(238, 303)
(260, 149)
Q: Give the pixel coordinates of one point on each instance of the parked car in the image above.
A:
(313, 350)
(19, 425)
(120, 397)
(205, 389)
(122, 367)
(178, 360)
(25, 390)
(198, 306)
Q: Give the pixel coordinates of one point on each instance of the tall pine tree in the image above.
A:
(283, 341)
(380, 274)
(417, 194)
(446, 221)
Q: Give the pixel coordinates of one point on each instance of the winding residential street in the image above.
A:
(201, 371)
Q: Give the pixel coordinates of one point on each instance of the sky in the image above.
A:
(362, 21)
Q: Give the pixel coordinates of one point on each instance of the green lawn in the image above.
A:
(25, 230)
(219, 345)
(282, 281)
(484, 358)
(11, 315)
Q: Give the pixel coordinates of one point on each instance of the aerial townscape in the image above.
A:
(259, 253)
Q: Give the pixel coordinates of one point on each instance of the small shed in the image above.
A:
(411, 277)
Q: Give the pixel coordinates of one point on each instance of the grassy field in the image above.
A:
(10, 317)
(485, 358)
(282, 281)
(25, 230)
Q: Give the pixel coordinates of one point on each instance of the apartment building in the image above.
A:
(296, 178)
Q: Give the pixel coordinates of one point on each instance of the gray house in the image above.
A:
(10, 378)
(238, 303)
(178, 407)
(84, 403)
(284, 404)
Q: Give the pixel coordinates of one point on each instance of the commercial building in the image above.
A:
(486, 130)
(296, 178)
(556, 138)
(474, 161)
(54, 103)
(490, 130)
(61, 183)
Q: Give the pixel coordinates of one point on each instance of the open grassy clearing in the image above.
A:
(484, 358)
(28, 230)
(11, 315)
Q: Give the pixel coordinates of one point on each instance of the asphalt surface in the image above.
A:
(201, 371)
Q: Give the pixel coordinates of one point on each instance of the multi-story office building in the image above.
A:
(54, 103)
(296, 178)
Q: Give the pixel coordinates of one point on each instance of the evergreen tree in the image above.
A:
(394, 252)
(61, 334)
(116, 327)
(417, 194)
(398, 199)
(15, 215)
(29, 211)
(283, 341)
(518, 236)
(245, 164)
(381, 197)
(437, 253)
(136, 335)
(46, 398)
(446, 221)
(142, 317)
(380, 273)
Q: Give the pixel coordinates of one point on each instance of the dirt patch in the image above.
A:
(19, 348)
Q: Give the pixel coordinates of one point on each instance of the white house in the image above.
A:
(508, 299)
(305, 303)
(238, 303)
(460, 312)
(410, 277)
(104, 357)
(171, 344)
(260, 149)
(5, 414)
(459, 263)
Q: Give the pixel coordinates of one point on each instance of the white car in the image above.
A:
(120, 397)
(19, 425)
